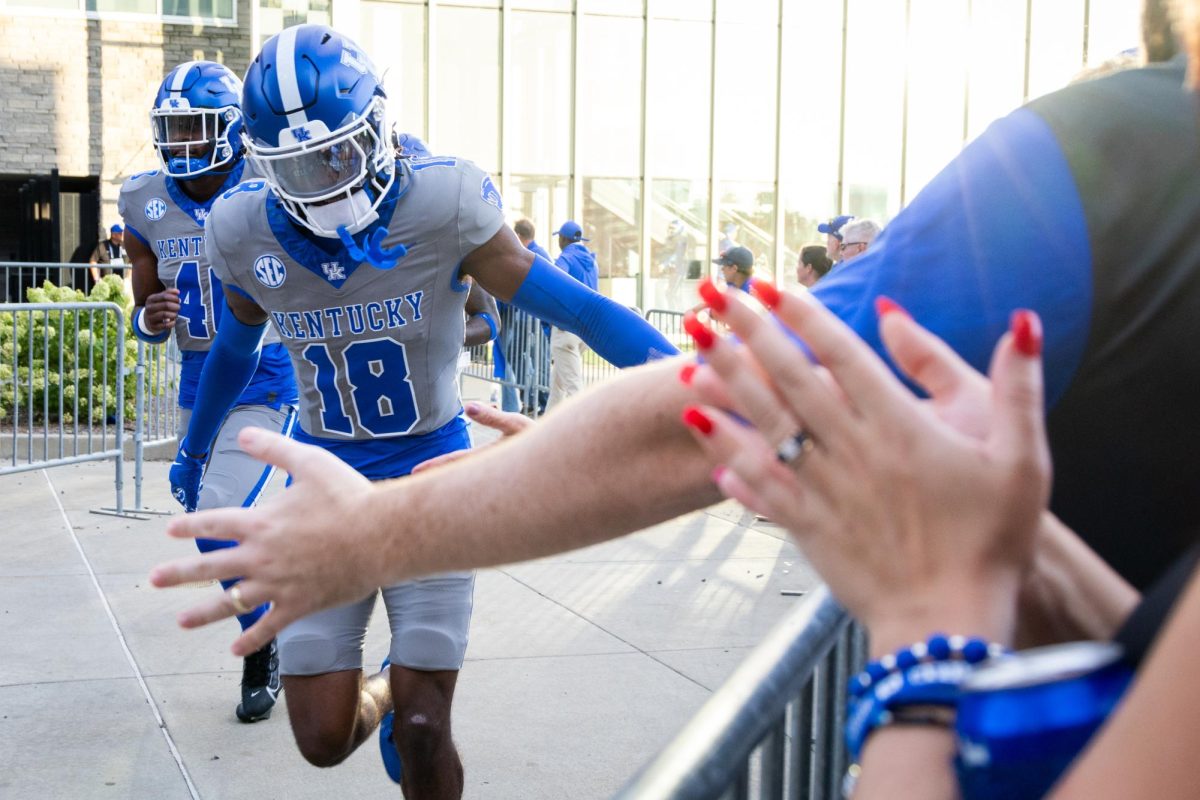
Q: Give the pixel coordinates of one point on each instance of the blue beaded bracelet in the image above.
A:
(926, 673)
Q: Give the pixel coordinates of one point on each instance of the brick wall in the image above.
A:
(77, 92)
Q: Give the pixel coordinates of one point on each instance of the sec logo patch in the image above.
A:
(489, 195)
(270, 271)
(156, 207)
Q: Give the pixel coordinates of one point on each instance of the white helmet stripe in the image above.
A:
(181, 75)
(285, 70)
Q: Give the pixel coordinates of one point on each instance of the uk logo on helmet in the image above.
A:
(490, 195)
(156, 207)
(270, 271)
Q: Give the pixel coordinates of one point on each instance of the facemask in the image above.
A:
(354, 212)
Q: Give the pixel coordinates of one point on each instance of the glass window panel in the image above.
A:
(541, 5)
(1113, 27)
(809, 168)
(541, 199)
(936, 88)
(1055, 45)
(41, 5)
(206, 9)
(611, 219)
(624, 8)
(610, 116)
(680, 66)
(678, 233)
(275, 15)
(874, 108)
(746, 92)
(475, 3)
(394, 36)
(747, 219)
(540, 91)
(996, 48)
(682, 9)
(747, 10)
(467, 104)
(123, 6)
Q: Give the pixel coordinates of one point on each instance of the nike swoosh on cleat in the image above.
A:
(256, 693)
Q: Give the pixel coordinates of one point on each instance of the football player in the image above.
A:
(196, 123)
(360, 262)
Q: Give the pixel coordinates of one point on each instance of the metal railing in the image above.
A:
(156, 409)
(526, 344)
(774, 728)
(17, 277)
(62, 386)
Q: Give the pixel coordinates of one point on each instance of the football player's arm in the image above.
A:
(483, 317)
(514, 274)
(228, 369)
(155, 306)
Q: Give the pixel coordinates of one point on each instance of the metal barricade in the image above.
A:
(774, 729)
(62, 386)
(670, 324)
(18, 277)
(156, 419)
(525, 342)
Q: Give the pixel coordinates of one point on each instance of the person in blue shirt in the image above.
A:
(566, 349)
(737, 267)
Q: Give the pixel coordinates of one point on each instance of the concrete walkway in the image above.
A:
(580, 666)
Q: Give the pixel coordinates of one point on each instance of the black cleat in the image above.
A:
(260, 684)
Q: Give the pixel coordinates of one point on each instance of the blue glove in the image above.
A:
(185, 477)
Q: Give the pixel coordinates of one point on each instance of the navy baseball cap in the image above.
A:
(834, 226)
(572, 231)
(739, 257)
(116, 229)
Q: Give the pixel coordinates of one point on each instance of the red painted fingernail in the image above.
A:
(766, 293)
(703, 337)
(686, 372)
(693, 417)
(1027, 332)
(886, 305)
(712, 295)
(717, 472)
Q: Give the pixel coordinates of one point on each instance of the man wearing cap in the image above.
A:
(833, 235)
(108, 251)
(857, 237)
(566, 349)
(737, 266)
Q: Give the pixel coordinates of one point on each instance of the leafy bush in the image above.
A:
(89, 360)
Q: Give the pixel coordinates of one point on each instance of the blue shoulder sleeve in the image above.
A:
(617, 334)
(227, 371)
(1001, 227)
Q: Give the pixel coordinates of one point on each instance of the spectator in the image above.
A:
(737, 267)
(566, 376)
(833, 235)
(514, 349)
(680, 246)
(857, 237)
(728, 237)
(108, 251)
(814, 264)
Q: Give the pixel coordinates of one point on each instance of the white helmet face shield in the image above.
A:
(315, 168)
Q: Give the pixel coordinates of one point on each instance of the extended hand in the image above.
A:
(185, 477)
(301, 550)
(509, 423)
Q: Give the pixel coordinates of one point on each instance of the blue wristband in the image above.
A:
(144, 335)
(491, 325)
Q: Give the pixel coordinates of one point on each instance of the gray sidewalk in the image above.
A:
(580, 666)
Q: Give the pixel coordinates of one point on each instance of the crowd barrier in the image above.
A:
(774, 728)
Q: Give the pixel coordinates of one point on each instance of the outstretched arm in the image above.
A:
(332, 537)
(513, 273)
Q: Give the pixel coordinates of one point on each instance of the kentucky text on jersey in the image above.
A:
(395, 312)
(180, 247)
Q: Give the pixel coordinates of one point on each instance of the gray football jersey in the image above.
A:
(171, 224)
(375, 351)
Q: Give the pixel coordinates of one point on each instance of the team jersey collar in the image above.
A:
(199, 211)
(329, 258)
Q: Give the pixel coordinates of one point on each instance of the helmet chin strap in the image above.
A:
(375, 254)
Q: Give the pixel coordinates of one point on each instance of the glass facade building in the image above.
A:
(671, 128)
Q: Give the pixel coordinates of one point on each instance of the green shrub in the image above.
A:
(89, 360)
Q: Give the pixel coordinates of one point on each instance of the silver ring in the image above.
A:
(235, 599)
(794, 448)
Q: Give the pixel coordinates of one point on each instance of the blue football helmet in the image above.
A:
(197, 119)
(315, 128)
